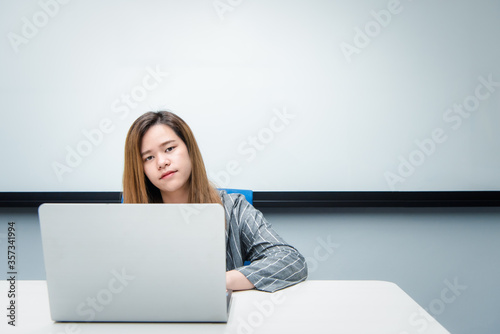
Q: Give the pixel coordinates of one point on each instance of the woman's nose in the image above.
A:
(163, 161)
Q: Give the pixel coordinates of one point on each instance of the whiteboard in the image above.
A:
(281, 95)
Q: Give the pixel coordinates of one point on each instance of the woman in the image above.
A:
(163, 164)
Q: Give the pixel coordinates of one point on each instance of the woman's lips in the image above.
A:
(167, 174)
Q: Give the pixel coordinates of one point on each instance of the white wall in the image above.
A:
(282, 95)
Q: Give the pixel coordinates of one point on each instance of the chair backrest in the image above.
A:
(245, 192)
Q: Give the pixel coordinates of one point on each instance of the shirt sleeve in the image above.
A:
(274, 263)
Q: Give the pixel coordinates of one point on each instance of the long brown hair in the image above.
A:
(136, 186)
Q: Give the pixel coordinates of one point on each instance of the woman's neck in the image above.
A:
(178, 196)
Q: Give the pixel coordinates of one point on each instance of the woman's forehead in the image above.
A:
(157, 135)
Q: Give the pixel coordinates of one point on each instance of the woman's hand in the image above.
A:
(237, 281)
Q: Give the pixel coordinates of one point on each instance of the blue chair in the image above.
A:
(247, 193)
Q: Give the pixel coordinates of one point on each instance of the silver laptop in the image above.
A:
(135, 262)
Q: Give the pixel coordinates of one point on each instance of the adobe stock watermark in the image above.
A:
(249, 148)
(421, 320)
(363, 37)
(189, 212)
(89, 308)
(30, 27)
(262, 310)
(321, 253)
(222, 7)
(454, 117)
(93, 305)
(91, 139)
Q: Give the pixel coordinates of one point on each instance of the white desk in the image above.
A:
(311, 307)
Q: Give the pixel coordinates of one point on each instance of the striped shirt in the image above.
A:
(249, 237)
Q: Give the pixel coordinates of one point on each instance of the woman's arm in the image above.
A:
(274, 264)
(237, 281)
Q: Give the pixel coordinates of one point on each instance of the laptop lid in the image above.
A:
(135, 262)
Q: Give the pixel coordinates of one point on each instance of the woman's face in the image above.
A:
(166, 161)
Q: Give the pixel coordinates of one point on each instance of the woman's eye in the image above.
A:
(169, 149)
(148, 158)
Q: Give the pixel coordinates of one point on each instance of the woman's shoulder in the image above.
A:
(232, 200)
(237, 209)
(236, 205)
